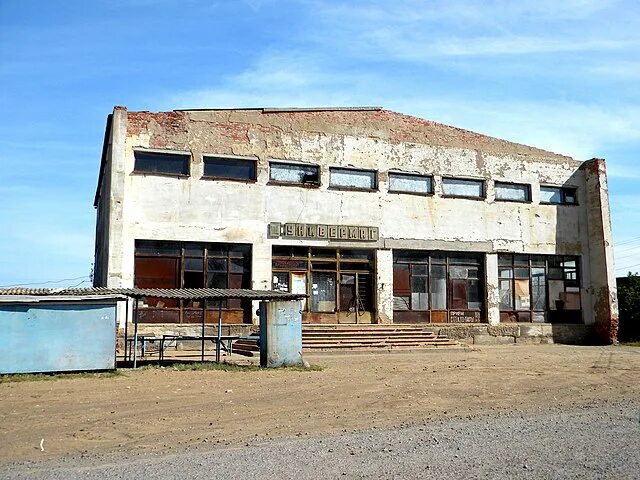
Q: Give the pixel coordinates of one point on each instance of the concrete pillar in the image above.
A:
(604, 300)
(384, 282)
(117, 166)
(493, 289)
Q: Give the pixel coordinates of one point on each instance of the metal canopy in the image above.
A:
(175, 293)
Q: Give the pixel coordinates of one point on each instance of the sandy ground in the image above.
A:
(167, 411)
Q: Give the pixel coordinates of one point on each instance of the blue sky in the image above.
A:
(557, 75)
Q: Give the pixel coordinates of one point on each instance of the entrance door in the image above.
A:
(355, 298)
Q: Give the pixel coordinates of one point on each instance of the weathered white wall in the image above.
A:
(195, 209)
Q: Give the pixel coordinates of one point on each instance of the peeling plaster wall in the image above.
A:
(195, 209)
(602, 286)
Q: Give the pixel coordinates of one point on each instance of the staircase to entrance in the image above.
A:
(370, 337)
(342, 337)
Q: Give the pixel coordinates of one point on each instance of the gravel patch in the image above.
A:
(600, 441)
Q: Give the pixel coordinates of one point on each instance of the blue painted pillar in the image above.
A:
(280, 333)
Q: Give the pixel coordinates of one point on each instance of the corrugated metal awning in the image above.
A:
(176, 293)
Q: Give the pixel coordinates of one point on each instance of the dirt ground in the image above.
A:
(164, 410)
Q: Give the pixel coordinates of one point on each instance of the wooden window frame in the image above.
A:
(354, 189)
(482, 181)
(416, 175)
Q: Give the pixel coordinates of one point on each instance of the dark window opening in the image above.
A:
(226, 168)
(165, 163)
(437, 286)
(192, 265)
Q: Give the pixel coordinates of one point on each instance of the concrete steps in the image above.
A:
(247, 346)
(320, 338)
(370, 337)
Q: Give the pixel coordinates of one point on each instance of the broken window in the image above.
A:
(459, 187)
(294, 173)
(350, 178)
(539, 288)
(191, 265)
(164, 163)
(512, 192)
(316, 271)
(229, 168)
(558, 195)
(410, 183)
(436, 283)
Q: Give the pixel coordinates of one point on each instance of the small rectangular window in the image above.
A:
(458, 187)
(558, 195)
(353, 179)
(164, 163)
(409, 183)
(294, 173)
(512, 192)
(228, 168)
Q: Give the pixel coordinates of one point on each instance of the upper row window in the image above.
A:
(294, 173)
(459, 187)
(558, 195)
(244, 169)
(227, 168)
(513, 192)
(410, 183)
(353, 179)
(164, 163)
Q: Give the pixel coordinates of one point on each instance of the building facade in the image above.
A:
(377, 216)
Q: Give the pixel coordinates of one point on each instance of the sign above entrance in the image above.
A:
(314, 231)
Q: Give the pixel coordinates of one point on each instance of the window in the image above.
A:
(558, 195)
(352, 179)
(436, 287)
(294, 173)
(536, 288)
(167, 264)
(512, 192)
(336, 280)
(162, 163)
(410, 183)
(458, 187)
(229, 168)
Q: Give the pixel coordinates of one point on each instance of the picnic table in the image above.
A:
(224, 342)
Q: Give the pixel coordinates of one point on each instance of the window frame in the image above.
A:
(254, 160)
(513, 261)
(496, 183)
(483, 182)
(415, 175)
(149, 151)
(563, 193)
(376, 183)
(317, 184)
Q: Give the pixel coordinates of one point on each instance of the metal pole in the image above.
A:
(126, 329)
(219, 331)
(135, 333)
(202, 340)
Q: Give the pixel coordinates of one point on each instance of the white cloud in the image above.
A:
(571, 128)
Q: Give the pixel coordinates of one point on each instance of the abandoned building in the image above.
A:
(379, 217)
